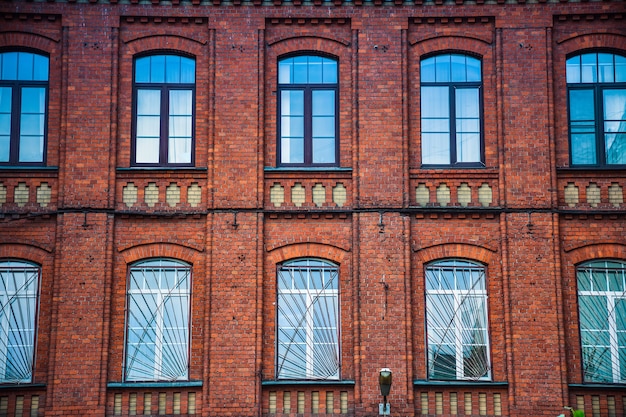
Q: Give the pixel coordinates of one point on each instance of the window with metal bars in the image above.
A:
(157, 323)
(307, 335)
(456, 319)
(19, 298)
(602, 315)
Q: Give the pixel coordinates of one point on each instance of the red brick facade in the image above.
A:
(527, 215)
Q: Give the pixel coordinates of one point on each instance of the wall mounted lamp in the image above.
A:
(384, 381)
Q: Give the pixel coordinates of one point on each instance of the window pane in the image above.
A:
(615, 126)
(285, 68)
(147, 151)
(187, 70)
(5, 102)
(329, 69)
(142, 70)
(5, 144)
(40, 68)
(620, 69)
(148, 102)
(172, 69)
(323, 150)
(435, 148)
(315, 70)
(292, 102)
(474, 73)
(157, 69)
(581, 105)
(31, 148)
(33, 100)
(323, 102)
(442, 68)
(179, 151)
(9, 66)
(594, 313)
(25, 66)
(468, 147)
(300, 70)
(323, 127)
(292, 150)
(458, 68)
(589, 68)
(583, 149)
(467, 103)
(605, 68)
(427, 70)
(572, 68)
(435, 102)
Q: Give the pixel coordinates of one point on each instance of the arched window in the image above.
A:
(23, 108)
(451, 110)
(157, 325)
(307, 111)
(602, 313)
(307, 335)
(596, 84)
(164, 97)
(19, 296)
(456, 314)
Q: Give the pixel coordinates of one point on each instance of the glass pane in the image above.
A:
(33, 100)
(467, 103)
(594, 313)
(597, 364)
(582, 105)
(458, 68)
(620, 319)
(616, 281)
(323, 102)
(172, 69)
(5, 142)
(25, 66)
(292, 150)
(427, 70)
(583, 149)
(179, 151)
(187, 70)
(292, 127)
(9, 66)
(5, 102)
(598, 281)
(329, 70)
(436, 125)
(181, 102)
(442, 68)
(292, 102)
(40, 68)
(605, 68)
(300, 70)
(285, 67)
(31, 148)
(615, 148)
(323, 151)
(435, 102)
(435, 148)
(147, 151)
(620, 69)
(315, 70)
(589, 68)
(157, 69)
(180, 126)
(468, 147)
(572, 68)
(142, 70)
(148, 102)
(615, 107)
(474, 73)
(323, 127)
(148, 126)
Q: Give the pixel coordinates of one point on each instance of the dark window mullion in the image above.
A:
(164, 126)
(453, 141)
(599, 124)
(16, 118)
(308, 125)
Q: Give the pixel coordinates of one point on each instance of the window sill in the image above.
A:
(162, 169)
(286, 382)
(160, 384)
(597, 385)
(591, 168)
(307, 169)
(27, 168)
(24, 386)
(485, 384)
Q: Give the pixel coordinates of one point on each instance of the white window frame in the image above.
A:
(303, 317)
(139, 366)
(22, 322)
(438, 330)
(612, 297)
